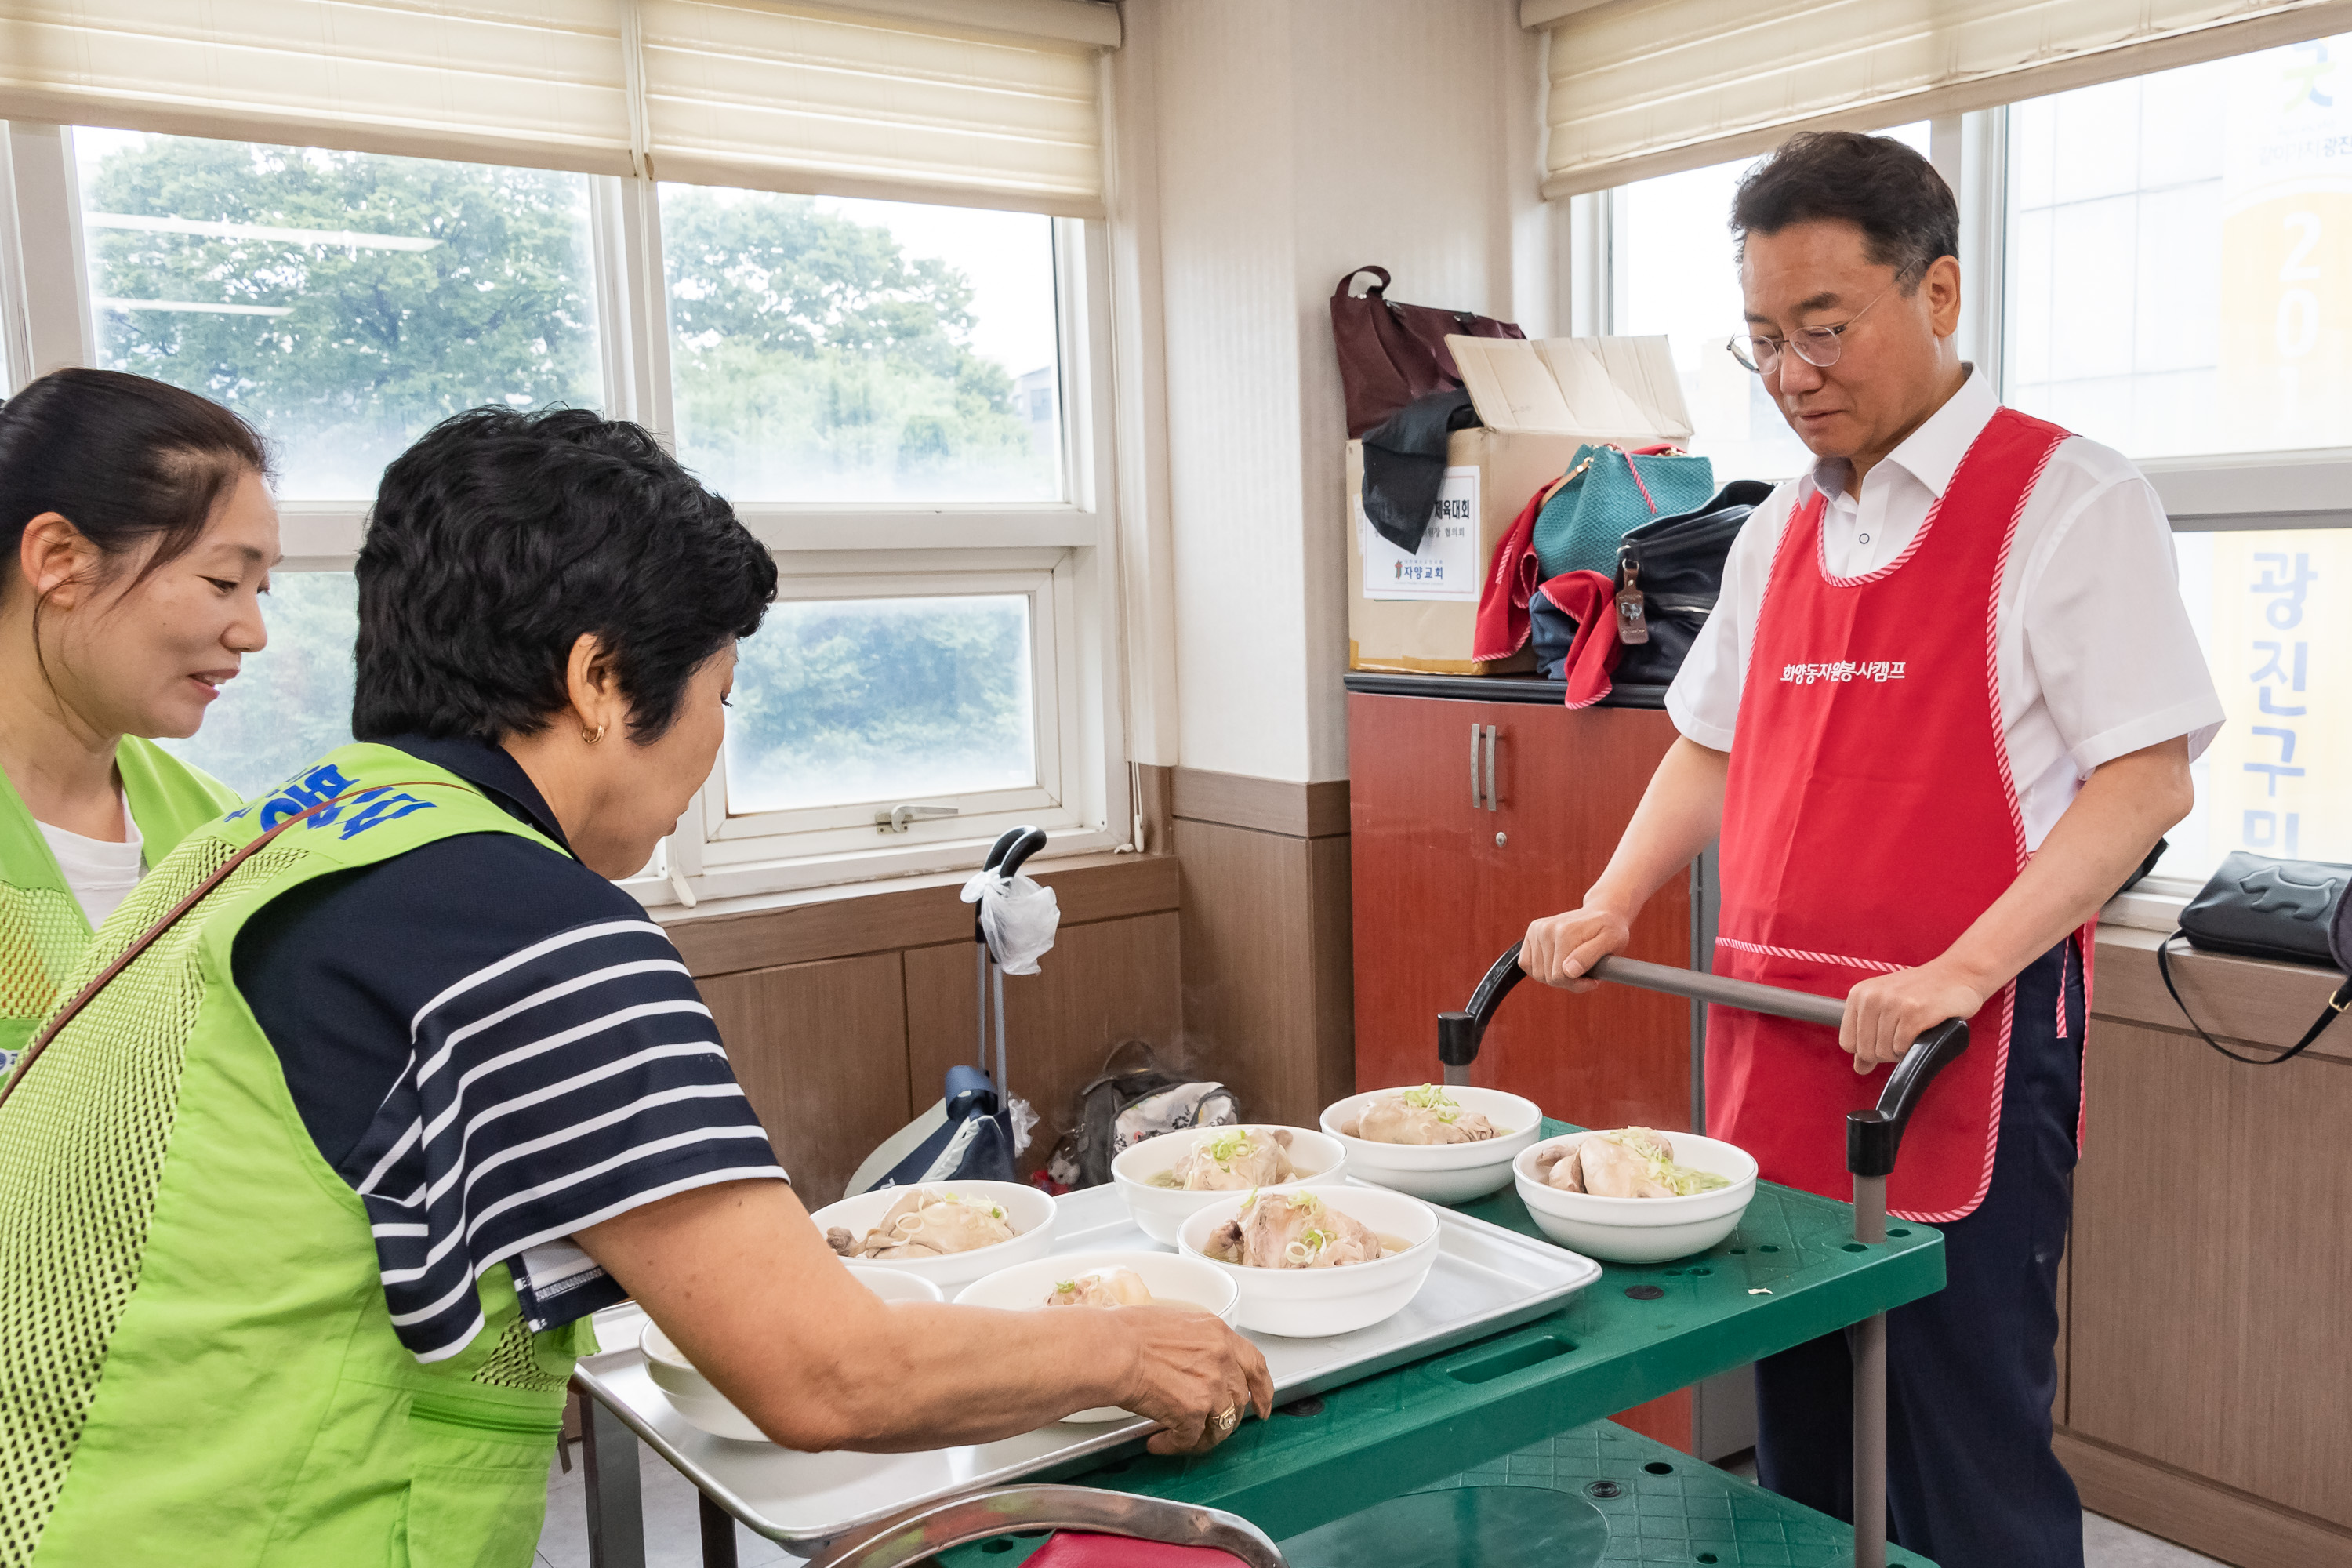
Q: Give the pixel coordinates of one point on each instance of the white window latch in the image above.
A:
(899, 818)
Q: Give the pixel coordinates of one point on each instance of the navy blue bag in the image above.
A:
(963, 1138)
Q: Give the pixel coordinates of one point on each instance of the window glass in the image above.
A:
(826, 350)
(2180, 255)
(845, 700)
(1673, 271)
(291, 701)
(344, 303)
(2278, 778)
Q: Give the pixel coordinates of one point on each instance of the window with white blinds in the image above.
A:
(1641, 88)
(987, 103)
(541, 82)
(836, 103)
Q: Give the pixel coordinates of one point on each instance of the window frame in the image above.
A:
(1060, 553)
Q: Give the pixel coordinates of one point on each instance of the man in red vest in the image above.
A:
(1945, 706)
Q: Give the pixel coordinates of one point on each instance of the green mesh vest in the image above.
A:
(42, 932)
(198, 1365)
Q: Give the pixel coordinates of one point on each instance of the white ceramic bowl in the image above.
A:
(1642, 1230)
(894, 1284)
(690, 1394)
(1170, 1277)
(1030, 1213)
(1313, 1303)
(1163, 1211)
(1441, 1173)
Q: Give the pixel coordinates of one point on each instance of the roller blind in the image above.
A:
(866, 104)
(980, 103)
(1648, 87)
(524, 81)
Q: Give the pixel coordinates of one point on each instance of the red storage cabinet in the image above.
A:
(1446, 875)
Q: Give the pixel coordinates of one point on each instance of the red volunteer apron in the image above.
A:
(1869, 817)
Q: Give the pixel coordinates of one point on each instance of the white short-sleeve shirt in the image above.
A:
(2096, 654)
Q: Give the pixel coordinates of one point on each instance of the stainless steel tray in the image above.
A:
(1485, 1280)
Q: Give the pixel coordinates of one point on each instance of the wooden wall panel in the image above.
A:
(2248, 1000)
(1269, 805)
(1332, 952)
(1250, 1003)
(2220, 1521)
(821, 1051)
(2211, 1267)
(1102, 983)
(841, 922)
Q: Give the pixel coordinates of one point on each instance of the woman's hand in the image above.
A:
(1560, 949)
(1192, 1374)
(1886, 1014)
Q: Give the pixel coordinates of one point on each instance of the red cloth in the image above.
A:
(1503, 627)
(1068, 1551)
(1869, 817)
(1591, 601)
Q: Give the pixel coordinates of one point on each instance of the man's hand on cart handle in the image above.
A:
(1560, 949)
(1193, 1376)
(1887, 1013)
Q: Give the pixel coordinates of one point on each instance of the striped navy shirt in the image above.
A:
(496, 1049)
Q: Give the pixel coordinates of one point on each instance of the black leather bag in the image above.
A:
(1669, 572)
(2291, 911)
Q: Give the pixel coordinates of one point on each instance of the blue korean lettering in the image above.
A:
(2291, 583)
(2275, 772)
(2261, 831)
(376, 810)
(320, 785)
(2273, 671)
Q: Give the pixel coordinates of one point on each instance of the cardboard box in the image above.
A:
(1540, 401)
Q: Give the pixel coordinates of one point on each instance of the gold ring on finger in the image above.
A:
(1228, 1418)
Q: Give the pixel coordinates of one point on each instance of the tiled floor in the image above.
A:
(673, 1531)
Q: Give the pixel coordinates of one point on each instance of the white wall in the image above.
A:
(1295, 138)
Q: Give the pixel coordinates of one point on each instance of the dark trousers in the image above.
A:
(1970, 1372)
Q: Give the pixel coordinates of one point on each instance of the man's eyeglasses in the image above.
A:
(1817, 346)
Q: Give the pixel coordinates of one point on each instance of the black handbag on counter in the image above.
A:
(1669, 572)
(2290, 911)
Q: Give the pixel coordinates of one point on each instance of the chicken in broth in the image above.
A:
(1623, 1162)
(1424, 1115)
(1292, 1230)
(1109, 1288)
(1232, 1160)
(928, 1222)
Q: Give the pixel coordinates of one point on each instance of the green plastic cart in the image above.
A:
(1493, 1453)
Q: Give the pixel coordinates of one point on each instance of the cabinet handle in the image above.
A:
(1494, 740)
(1476, 801)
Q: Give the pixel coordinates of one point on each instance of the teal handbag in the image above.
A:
(1609, 492)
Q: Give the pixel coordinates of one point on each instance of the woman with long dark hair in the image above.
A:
(140, 532)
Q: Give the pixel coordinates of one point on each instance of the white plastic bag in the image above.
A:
(1018, 916)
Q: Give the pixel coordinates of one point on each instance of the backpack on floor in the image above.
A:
(1122, 1107)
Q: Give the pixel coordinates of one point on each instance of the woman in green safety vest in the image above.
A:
(304, 1211)
(140, 531)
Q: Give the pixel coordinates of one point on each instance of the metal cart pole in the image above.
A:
(1873, 1137)
(1013, 846)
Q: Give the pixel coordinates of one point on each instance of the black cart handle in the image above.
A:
(1873, 1137)
(1013, 846)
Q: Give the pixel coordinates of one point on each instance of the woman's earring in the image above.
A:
(592, 736)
